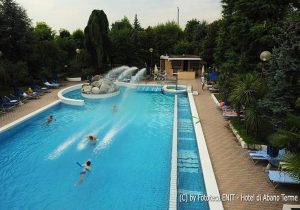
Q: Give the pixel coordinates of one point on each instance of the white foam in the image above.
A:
(107, 139)
(83, 143)
(62, 147)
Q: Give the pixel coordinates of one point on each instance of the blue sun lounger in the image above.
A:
(262, 155)
(257, 156)
(281, 177)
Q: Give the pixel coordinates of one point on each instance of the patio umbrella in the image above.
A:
(155, 69)
(202, 72)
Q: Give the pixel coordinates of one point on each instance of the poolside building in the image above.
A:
(187, 66)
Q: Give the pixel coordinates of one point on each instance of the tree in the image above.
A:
(78, 37)
(210, 42)
(165, 37)
(247, 90)
(190, 29)
(64, 33)
(195, 33)
(43, 32)
(283, 75)
(15, 31)
(96, 39)
(122, 42)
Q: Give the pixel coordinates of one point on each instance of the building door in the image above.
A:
(185, 65)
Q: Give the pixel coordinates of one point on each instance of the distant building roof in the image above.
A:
(181, 57)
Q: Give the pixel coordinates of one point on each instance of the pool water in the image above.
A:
(130, 163)
(191, 184)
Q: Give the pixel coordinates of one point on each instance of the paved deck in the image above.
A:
(235, 172)
(32, 105)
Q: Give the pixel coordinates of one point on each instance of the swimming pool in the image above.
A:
(130, 163)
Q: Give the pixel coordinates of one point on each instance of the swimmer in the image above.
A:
(86, 167)
(114, 108)
(49, 120)
(92, 138)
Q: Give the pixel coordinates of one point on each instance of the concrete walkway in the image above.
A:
(235, 172)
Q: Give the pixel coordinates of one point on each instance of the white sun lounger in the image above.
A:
(54, 85)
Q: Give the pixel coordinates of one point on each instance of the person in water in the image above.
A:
(86, 167)
(114, 108)
(49, 120)
(92, 138)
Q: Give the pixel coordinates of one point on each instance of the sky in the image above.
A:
(74, 14)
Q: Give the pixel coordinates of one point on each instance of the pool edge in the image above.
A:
(207, 169)
(28, 116)
(173, 180)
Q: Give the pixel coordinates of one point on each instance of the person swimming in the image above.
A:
(49, 120)
(86, 167)
(92, 138)
(114, 108)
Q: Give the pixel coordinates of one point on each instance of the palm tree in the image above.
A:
(247, 90)
(291, 163)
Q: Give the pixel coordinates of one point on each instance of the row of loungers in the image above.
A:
(276, 177)
(8, 103)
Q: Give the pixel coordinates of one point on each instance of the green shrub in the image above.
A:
(238, 125)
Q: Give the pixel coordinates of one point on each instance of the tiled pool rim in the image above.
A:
(70, 101)
(208, 173)
(173, 179)
(207, 169)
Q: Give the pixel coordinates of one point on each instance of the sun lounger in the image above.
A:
(281, 177)
(6, 107)
(262, 155)
(259, 156)
(51, 85)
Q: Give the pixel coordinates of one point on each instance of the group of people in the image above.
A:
(91, 138)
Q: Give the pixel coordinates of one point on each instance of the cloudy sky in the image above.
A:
(73, 14)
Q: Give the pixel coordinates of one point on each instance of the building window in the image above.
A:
(176, 65)
(195, 65)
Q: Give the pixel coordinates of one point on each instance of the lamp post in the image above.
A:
(77, 53)
(264, 56)
(151, 51)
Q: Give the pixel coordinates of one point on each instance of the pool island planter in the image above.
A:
(172, 89)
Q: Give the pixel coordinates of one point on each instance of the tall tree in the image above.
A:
(283, 74)
(96, 39)
(78, 37)
(122, 42)
(15, 31)
(43, 32)
(210, 42)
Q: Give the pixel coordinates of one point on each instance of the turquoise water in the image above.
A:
(130, 162)
(191, 184)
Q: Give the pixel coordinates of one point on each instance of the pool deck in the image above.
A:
(234, 171)
(32, 105)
